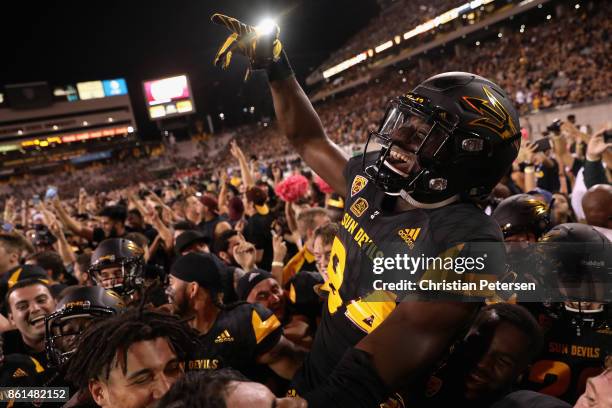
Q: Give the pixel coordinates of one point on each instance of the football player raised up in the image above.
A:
(440, 148)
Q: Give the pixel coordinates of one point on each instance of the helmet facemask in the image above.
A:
(64, 328)
(412, 141)
(125, 279)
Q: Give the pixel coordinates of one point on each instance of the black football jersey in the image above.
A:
(236, 339)
(570, 356)
(356, 304)
(302, 296)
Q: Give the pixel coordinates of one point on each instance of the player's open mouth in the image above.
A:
(401, 161)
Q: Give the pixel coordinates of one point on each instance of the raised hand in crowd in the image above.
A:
(245, 254)
(597, 145)
(247, 176)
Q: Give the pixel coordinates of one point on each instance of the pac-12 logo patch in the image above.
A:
(359, 207)
(359, 182)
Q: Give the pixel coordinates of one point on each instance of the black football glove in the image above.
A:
(264, 51)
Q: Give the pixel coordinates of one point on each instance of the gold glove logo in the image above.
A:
(494, 115)
(224, 337)
(409, 235)
(249, 41)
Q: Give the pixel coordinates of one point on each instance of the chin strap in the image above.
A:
(428, 206)
(585, 311)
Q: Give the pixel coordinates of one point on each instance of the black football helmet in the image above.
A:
(522, 213)
(579, 258)
(73, 314)
(118, 253)
(455, 134)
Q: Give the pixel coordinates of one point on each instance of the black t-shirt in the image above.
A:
(236, 339)
(576, 166)
(303, 299)
(227, 276)
(354, 308)
(257, 231)
(208, 228)
(99, 236)
(18, 370)
(148, 231)
(13, 344)
(548, 177)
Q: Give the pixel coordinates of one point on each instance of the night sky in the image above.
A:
(68, 41)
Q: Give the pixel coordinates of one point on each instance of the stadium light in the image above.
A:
(384, 46)
(577, 6)
(265, 26)
(548, 17)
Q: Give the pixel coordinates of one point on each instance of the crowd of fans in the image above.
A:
(263, 238)
(571, 66)
(399, 17)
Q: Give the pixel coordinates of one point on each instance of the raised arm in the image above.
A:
(295, 114)
(247, 176)
(301, 125)
(70, 222)
(63, 247)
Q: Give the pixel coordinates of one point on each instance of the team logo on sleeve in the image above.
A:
(263, 328)
(359, 182)
(359, 207)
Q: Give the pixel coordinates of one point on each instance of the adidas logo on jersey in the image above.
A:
(409, 235)
(224, 337)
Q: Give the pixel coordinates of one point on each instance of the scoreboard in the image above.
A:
(168, 97)
(39, 118)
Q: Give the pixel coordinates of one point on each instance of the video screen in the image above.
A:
(168, 97)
